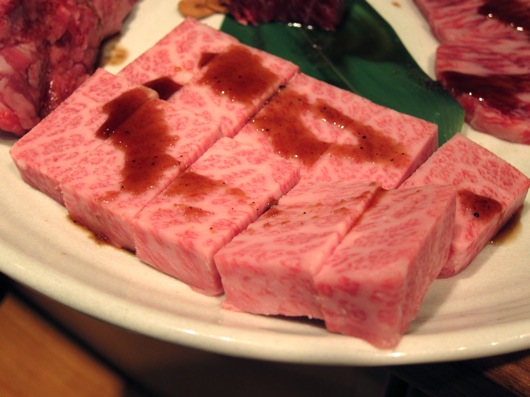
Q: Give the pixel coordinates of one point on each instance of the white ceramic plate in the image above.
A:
(483, 311)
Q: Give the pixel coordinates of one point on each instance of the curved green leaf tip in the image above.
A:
(363, 55)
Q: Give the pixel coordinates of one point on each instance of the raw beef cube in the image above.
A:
(489, 192)
(178, 55)
(107, 190)
(269, 267)
(373, 284)
(63, 138)
(387, 148)
(491, 82)
(291, 124)
(233, 85)
(232, 184)
(337, 135)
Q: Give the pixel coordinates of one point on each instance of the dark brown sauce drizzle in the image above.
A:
(98, 237)
(192, 213)
(194, 186)
(205, 59)
(112, 53)
(120, 108)
(498, 91)
(479, 207)
(513, 13)
(272, 212)
(144, 138)
(238, 74)
(281, 120)
(374, 146)
(164, 86)
(510, 230)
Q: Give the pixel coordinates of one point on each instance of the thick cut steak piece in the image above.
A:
(226, 189)
(178, 55)
(106, 190)
(65, 136)
(269, 267)
(47, 49)
(234, 85)
(337, 135)
(490, 190)
(373, 284)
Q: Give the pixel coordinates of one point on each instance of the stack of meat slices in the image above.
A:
(484, 61)
(234, 172)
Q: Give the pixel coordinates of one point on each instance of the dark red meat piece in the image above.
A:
(326, 14)
(47, 49)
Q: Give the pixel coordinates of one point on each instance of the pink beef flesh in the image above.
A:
(290, 124)
(461, 21)
(234, 85)
(492, 83)
(232, 184)
(373, 284)
(483, 61)
(47, 49)
(500, 56)
(428, 6)
(107, 189)
(65, 136)
(490, 191)
(269, 267)
(178, 55)
(21, 87)
(337, 135)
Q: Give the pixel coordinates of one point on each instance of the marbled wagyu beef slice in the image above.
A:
(178, 56)
(234, 85)
(336, 135)
(232, 184)
(45, 154)
(490, 191)
(465, 21)
(374, 282)
(483, 61)
(491, 82)
(269, 267)
(107, 190)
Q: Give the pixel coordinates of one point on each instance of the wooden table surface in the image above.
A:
(39, 358)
